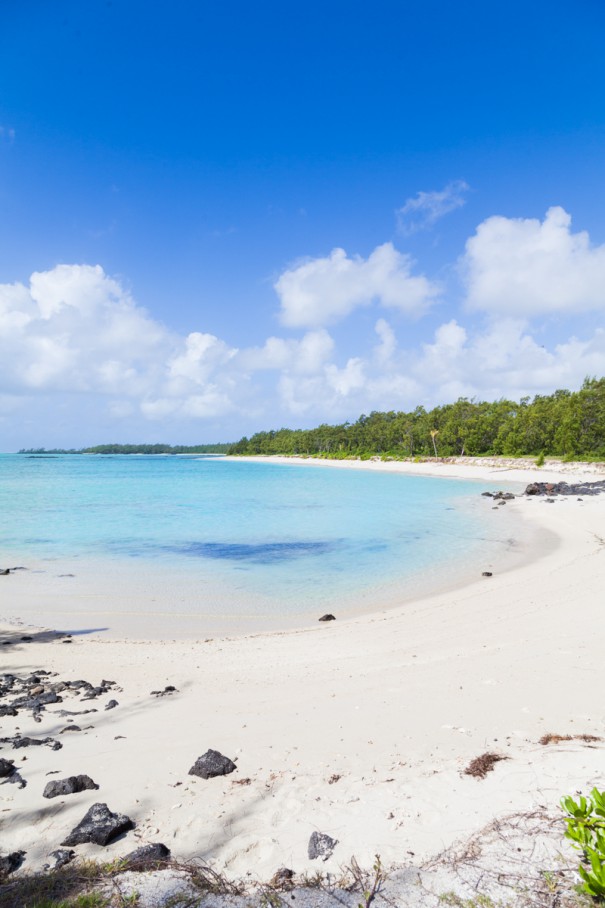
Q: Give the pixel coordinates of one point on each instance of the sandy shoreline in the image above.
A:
(358, 729)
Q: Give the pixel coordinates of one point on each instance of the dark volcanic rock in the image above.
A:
(562, 488)
(23, 741)
(111, 704)
(71, 785)
(321, 846)
(7, 768)
(212, 764)
(486, 574)
(9, 773)
(327, 617)
(98, 825)
(11, 862)
(62, 856)
(37, 702)
(169, 689)
(147, 854)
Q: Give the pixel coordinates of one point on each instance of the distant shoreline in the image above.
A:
(481, 468)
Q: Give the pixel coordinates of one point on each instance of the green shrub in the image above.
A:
(540, 459)
(585, 822)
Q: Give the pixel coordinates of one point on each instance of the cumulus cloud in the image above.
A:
(305, 355)
(526, 267)
(504, 360)
(74, 337)
(322, 291)
(424, 210)
(384, 350)
(201, 356)
(75, 329)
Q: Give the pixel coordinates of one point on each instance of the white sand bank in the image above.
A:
(358, 729)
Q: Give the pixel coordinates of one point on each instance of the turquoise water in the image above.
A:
(261, 538)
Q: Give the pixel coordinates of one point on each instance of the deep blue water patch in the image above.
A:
(256, 553)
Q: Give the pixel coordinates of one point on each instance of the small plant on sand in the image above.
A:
(540, 459)
(585, 828)
(370, 884)
(479, 901)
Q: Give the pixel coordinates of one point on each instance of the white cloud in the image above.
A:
(75, 329)
(524, 267)
(325, 290)
(305, 355)
(384, 350)
(212, 401)
(504, 361)
(347, 380)
(74, 342)
(202, 355)
(424, 210)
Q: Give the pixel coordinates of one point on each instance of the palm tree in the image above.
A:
(434, 433)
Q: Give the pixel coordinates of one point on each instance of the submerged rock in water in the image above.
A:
(70, 785)
(212, 764)
(327, 617)
(98, 825)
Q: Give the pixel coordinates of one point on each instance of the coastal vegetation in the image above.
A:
(585, 822)
(567, 424)
(220, 448)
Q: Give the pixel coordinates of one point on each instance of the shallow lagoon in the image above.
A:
(206, 542)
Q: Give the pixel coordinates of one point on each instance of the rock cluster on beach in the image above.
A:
(551, 488)
(564, 488)
(37, 691)
(32, 694)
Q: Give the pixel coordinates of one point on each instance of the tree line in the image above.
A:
(220, 448)
(567, 424)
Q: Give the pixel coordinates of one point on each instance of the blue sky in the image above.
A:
(218, 218)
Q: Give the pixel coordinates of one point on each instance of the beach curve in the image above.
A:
(359, 729)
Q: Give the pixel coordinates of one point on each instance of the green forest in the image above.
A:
(135, 449)
(566, 424)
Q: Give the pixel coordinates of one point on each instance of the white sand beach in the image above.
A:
(360, 729)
